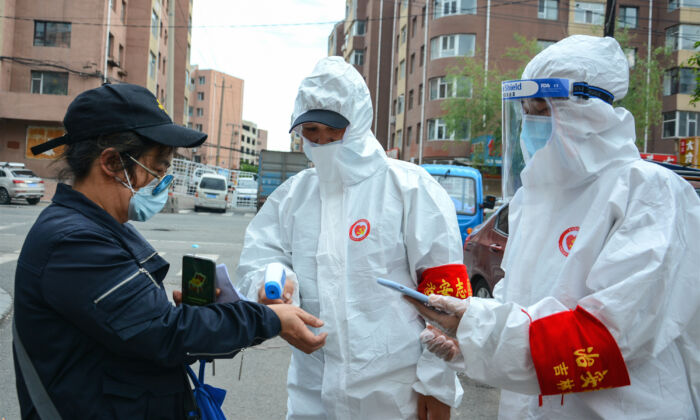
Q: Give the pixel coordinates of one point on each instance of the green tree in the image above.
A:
(476, 113)
(644, 100)
(694, 62)
(247, 167)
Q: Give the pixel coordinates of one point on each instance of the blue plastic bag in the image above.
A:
(209, 399)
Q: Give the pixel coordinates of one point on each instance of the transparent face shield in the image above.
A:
(528, 123)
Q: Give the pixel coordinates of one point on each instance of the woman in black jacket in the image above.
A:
(90, 307)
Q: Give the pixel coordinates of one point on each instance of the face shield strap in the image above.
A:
(585, 91)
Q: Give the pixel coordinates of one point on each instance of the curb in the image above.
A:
(5, 303)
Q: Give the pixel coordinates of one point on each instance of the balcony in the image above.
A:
(32, 106)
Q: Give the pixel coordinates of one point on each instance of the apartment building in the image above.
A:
(367, 44)
(253, 140)
(430, 41)
(216, 108)
(52, 51)
(296, 144)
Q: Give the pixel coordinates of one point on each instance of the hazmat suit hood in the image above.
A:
(588, 134)
(335, 85)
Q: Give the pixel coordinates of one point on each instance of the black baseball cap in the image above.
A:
(115, 108)
(323, 116)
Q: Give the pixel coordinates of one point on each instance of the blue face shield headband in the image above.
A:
(527, 122)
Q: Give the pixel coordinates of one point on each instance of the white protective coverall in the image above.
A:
(634, 263)
(373, 359)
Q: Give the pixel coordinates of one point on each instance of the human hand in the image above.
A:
(445, 311)
(430, 408)
(294, 321)
(177, 296)
(444, 347)
(287, 293)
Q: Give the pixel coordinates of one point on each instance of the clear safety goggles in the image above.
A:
(163, 181)
(530, 102)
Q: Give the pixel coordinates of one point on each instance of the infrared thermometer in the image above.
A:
(275, 277)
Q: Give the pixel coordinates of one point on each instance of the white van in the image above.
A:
(211, 193)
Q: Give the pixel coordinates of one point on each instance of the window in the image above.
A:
(422, 55)
(408, 136)
(437, 130)
(402, 69)
(412, 62)
(410, 99)
(631, 54)
(396, 74)
(400, 104)
(357, 57)
(461, 190)
(202, 80)
(154, 23)
(675, 4)
(121, 55)
(190, 111)
(414, 25)
(200, 96)
(680, 124)
(123, 13)
(452, 46)
(589, 13)
(628, 17)
(199, 127)
(454, 7)
(110, 46)
(547, 9)
(359, 27)
(419, 133)
(442, 87)
(679, 80)
(49, 83)
(542, 44)
(399, 138)
(420, 94)
(51, 34)
(152, 65)
(403, 34)
(422, 13)
(200, 112)
(393, 108)
(682, 37)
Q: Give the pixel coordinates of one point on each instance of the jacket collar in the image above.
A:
(129, 237)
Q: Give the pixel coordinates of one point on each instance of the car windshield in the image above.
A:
(462, 191)
(213, 184)
(23, 173)
(247, 184)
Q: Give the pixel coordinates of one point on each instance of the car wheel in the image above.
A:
(480, 288)
(4, 196)
(32, 201)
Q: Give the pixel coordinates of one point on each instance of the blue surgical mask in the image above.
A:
(143, 204)
(536, 132)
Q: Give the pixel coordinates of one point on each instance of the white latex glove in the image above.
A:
(448, 304)
(441, 345)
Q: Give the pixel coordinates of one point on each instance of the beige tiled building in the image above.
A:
(216, 108)
(253, 140)
(427, 42)
(53, 50)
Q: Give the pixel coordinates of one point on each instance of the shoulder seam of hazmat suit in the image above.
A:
(335, 85)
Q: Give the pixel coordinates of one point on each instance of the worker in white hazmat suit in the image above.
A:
(355, 216)
(601, 291)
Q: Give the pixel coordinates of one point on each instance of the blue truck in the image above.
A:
(465, 187)
(276, 167)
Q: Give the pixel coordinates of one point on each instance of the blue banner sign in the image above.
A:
(536, 88)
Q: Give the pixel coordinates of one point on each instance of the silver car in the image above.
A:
(16, 181)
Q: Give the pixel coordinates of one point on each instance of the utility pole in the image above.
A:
(610, 18)
(105, 77)
(221, 116)
(231, 149)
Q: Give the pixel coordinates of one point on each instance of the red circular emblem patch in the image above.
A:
(567, 239)
(359, 230)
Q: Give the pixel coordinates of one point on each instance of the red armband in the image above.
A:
(446, 280)
(574, 352)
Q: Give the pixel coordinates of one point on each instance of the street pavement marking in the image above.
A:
(11, 225)
(184, 211)
(4, 258)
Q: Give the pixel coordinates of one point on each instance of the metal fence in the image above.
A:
(188, 173)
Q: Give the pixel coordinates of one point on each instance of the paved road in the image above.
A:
(256, 387)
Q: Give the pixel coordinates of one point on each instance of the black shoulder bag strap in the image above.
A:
(40, 398)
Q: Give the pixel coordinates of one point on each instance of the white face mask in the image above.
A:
(324, 158)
